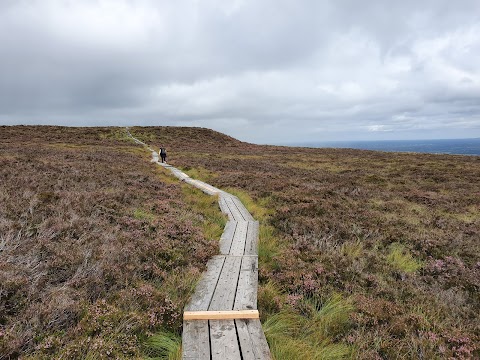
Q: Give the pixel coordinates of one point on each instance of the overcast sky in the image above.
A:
(265, 71)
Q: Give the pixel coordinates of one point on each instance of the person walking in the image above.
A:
(163, 154)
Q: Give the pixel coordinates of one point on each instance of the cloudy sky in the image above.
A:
(265, 71)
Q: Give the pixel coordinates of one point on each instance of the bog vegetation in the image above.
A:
(99, 249)
(362, 254)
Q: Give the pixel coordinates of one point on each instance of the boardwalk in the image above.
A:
(229, 285)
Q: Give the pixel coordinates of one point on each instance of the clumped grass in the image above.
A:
(400, 258)
(353, 250)
(164, 346)
(310, 335)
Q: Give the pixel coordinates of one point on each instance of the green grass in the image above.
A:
(212, 219)
(400, 258)
(140, 214)
(200, 174)
(259, 209)
(164, 346)
(312, 335)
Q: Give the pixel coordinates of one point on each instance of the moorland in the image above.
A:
(362, 254)
(98, 249)
(366, 254)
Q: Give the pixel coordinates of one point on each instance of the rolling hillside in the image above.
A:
(394, 235)
(362, 254)
(98, 248)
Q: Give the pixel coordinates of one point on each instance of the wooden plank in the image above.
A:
(246, 295)
(224, 343)
(227, 237)
(239, 239)
(225, 209)
(246, 344)
(259, 341)
(224, 294)
(237, 215)
(251, 243)
(195, 340)
(221, 315)
(208, 186)
(206, 286)
(243, 210)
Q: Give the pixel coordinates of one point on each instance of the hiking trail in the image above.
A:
(221, 320)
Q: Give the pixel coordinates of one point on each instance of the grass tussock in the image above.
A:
(401, 259)
(164, 346)
(310, 335)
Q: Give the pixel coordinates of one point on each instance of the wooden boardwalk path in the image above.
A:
(230, 283)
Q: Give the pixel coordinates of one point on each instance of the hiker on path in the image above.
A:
(163, 154)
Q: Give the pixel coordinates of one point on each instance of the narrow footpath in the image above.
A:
(221, 320)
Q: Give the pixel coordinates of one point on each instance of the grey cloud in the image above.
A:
(304, 69)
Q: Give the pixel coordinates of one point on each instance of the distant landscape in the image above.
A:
(432, 146)
(362, 254)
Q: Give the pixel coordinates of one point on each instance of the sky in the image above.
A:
(263, 71)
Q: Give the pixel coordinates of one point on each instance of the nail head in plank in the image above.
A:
(220, 315)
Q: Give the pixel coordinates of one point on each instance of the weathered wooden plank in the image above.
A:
(206, 286)
(243, 210)
(246, 295)
(225, 209)
(208, 186)
(239, 239)
(221, 315)
(251, 243)
(259, 341)
(246, 344)
(195, 340)
(233, 209)
(227, 237)
(252, 347)
(199, 185)
(224, 294)
(224, 343)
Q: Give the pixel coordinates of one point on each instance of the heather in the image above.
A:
(99, 248)
(387, 241)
